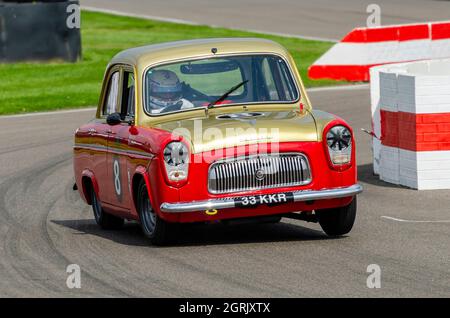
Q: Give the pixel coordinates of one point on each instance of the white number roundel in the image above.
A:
(117, 184)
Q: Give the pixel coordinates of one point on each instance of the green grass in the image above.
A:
(30, 87)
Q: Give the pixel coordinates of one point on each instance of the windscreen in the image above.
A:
(198, 83)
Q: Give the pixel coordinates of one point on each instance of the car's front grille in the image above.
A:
(258, 172)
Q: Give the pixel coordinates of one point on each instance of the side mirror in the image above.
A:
(114, 119)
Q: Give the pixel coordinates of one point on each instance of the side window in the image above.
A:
(287, 82)
(128, 98)
(269, 80)
(111, 102)
(277, 79)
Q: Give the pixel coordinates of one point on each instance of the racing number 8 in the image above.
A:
(117, 185)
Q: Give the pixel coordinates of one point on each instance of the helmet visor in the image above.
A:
(167, 96)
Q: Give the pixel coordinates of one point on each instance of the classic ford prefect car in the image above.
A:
(213, 130)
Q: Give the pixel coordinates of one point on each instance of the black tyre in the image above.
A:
(156, 229)
(104, 220)
(338, 221)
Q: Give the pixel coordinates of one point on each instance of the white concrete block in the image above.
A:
(408, 154)
(425, 169)
(433, 174)
(376, 122)
(424, 83)
(430, 155)
(409, 182)
(414, 50)
(440, 49)
(389, 164)
(433, 165)
(433, 185)
(407, 172)
(418, 87)
(433, 90)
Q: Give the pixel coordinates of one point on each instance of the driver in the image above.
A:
(166, 92)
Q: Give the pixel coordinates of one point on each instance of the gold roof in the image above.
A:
(144, 56)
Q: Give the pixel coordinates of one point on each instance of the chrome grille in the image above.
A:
(258, 172)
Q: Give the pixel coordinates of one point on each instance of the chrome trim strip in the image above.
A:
(228, 203)
(112, 150)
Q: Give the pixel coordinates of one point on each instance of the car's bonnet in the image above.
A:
(237, 129)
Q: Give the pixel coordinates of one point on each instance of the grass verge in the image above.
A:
(30, 87)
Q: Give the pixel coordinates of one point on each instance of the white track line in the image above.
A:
(56, 112)
(413, 221)
(140, 16)
(174, 20)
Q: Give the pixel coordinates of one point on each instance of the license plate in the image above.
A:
(268, 199)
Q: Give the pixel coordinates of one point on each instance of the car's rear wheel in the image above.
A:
(338, 221)
(156, 229)
(104, 220)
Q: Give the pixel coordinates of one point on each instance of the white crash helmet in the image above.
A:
(165, 89)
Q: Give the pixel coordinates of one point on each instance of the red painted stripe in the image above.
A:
(365, 35)
(340, 72)
(415, 132)
(421, 31)
(382, 34)
(354, 73)
(440, 31)
(355, 36)
(414, 32)
(399, 33)
(389, 128)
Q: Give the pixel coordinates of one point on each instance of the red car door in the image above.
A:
(97, 134)
(118, 149)
(118, 174)
(100, 134)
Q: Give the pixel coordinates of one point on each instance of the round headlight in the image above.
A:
(339, 138)
(176, 153)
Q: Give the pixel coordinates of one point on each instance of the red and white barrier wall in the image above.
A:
(411, 116)
(364, 48)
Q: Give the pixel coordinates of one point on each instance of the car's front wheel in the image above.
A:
(104, 220)
(338, 221)
(156, 229)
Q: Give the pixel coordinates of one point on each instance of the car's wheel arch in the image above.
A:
(139, 175)
(88, 181)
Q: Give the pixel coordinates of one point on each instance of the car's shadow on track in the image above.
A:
(202, 234)
(130, 234)
(365, 174)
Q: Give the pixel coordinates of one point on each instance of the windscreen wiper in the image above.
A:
(231, 90)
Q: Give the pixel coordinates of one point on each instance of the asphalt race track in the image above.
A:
(325, 19)
(44, 226)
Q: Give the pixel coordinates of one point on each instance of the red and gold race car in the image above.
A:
(213, 130)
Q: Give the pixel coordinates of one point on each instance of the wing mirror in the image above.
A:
(114, 119)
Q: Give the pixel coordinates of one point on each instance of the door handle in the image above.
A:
(92, 131)
(110, 131)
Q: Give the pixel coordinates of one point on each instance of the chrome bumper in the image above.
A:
(229, 203)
